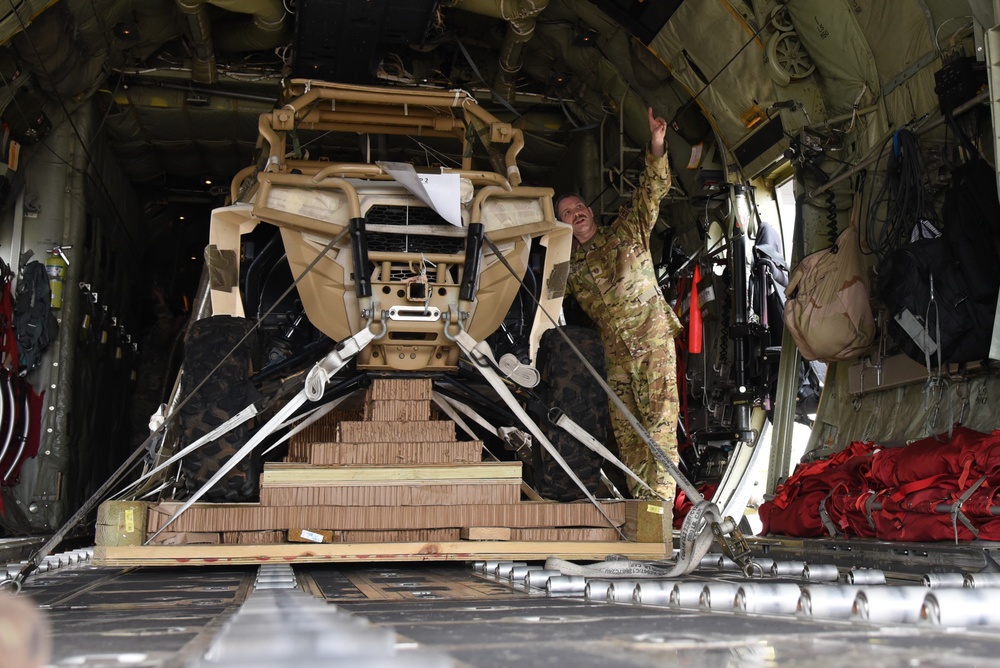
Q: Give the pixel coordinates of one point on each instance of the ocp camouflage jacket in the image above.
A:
(613, 278)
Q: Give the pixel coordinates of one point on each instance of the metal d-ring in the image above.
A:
(446, 316)
(554, 414)
(13, 585)
(385, 327)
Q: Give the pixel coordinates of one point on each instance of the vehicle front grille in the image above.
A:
(410, 243)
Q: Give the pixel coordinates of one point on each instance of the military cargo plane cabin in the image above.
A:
(295, 365)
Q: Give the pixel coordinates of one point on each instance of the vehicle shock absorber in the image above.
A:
(473, 260)
(359, 251)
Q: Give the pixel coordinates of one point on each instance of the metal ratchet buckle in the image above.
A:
(734, 545)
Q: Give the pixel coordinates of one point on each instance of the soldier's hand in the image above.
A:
(658, 134)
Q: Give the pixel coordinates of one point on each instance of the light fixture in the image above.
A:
(126, 31)
(558, 79)
(586, 37)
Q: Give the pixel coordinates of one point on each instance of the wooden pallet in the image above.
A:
(394, 486)
(299, 553)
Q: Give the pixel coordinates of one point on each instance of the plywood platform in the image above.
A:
(299, 553)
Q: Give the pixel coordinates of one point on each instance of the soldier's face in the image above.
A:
(574, 211)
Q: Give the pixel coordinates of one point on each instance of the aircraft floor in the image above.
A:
(451, 615)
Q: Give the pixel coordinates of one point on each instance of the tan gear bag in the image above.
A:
(828, 312)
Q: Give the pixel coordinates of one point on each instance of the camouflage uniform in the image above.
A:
(612, 277)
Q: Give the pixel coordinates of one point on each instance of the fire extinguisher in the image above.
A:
(55, 267)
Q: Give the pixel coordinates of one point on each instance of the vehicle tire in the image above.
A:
(224, 394)
(569, 386)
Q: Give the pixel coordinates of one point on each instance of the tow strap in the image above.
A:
(704, 516)
(315, 383)
(695, 541)
(482, 357)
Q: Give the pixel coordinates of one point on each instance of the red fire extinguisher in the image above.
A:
(56, 266)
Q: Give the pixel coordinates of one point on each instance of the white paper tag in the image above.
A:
(441, 192)
(311, 536)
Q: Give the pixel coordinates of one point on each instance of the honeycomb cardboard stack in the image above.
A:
(391, 473)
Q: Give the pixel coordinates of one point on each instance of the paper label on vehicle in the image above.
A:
(441, 192)
(654, 508)
(311, 536)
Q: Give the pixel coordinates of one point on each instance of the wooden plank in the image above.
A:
(224, 555)
(254, 517)
(485, 533)
(421, 585)
(443, 452)
(395, 493)
(366, 587)
(647, 521)
(530, 493)
(298, 475)
(309, 536)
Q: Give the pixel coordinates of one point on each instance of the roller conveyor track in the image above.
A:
(456, 615)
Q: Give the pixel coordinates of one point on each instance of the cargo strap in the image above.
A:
(516, 439)
(564, 422)
(956, 510)
(232, 423)
(134, 457)
(824, 516)
(682, 482)
(482, 357)
(695, 525)
(306, 420)
(235, 421)
(316, 381)
(868, 507)
(695, 541)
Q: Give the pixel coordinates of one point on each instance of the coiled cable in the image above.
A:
(903, 201)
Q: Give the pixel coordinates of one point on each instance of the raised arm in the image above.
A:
(654, 182)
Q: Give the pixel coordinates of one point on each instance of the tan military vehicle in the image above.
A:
(402, 268)
(407, 257)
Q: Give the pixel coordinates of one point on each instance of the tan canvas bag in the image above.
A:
(828, 311)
